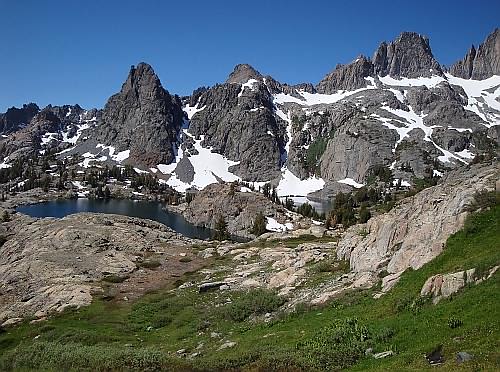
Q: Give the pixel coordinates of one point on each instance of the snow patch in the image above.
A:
(403, 183)
(309, 99)
(191, 110)
(208, 168)
(249, 84)
(351, 182)
(273, 225)
(4, 164)
(465, 154)
(291, 185)
(429, 82)
(119, 157)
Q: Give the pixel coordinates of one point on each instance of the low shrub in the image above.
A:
(454, 322)
(149, 264)
(337, 346)
(253, 302)
(72, 356)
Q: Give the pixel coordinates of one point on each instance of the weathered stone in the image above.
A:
(48, 265)
(463, 356)
(239, 209)
(389, 281)
(205, 287)
(383, 354)
(286, 277)
(452, 283)
(414, 232)
(226, 345)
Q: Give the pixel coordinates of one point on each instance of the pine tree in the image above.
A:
(364, 214)
(107, 192)
(5, 216)
(266, 190)
(220, 232)
(259, 225)
(289, 204)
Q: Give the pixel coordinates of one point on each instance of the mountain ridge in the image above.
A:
(398, 110)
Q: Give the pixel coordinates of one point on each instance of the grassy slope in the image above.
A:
(105, 336)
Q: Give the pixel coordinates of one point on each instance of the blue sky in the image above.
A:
(66, 52)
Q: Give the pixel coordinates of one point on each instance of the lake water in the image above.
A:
(132, 208)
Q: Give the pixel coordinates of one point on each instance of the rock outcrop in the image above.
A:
(409, 56)
(242, 73)
(238, 208)
(143, 118)
(415, 231)
(50, 264)
(16, 118)
(53, 128)
(444, 285)
(347, 77)
(480, 63)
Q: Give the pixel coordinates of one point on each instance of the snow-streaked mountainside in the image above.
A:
(399, 110)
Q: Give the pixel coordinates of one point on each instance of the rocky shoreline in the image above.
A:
(50, 264)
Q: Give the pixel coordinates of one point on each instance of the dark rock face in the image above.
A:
(238, 122)
(143, 117)
(346, 77)
(16, 118)
(481, 63)
(26, 142)
(355, 149)
(463, 69)
(409, 56)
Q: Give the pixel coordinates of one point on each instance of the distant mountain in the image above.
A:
(397, 114)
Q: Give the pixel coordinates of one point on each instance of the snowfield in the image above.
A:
(273, 225)
(291, 185)
(480, 94)
(208, 167)
(429, 82)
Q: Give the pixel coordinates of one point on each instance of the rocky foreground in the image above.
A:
(51, 264)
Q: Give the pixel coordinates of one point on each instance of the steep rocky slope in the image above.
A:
(414, 232)
(236, 119)
(142, 121)
(481, 63)
(16, 118)
(52, 128)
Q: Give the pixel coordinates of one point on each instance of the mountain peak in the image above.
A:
(480, 63)
(242, 73)
(410, 36)
(409, 55)
(142, 79)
